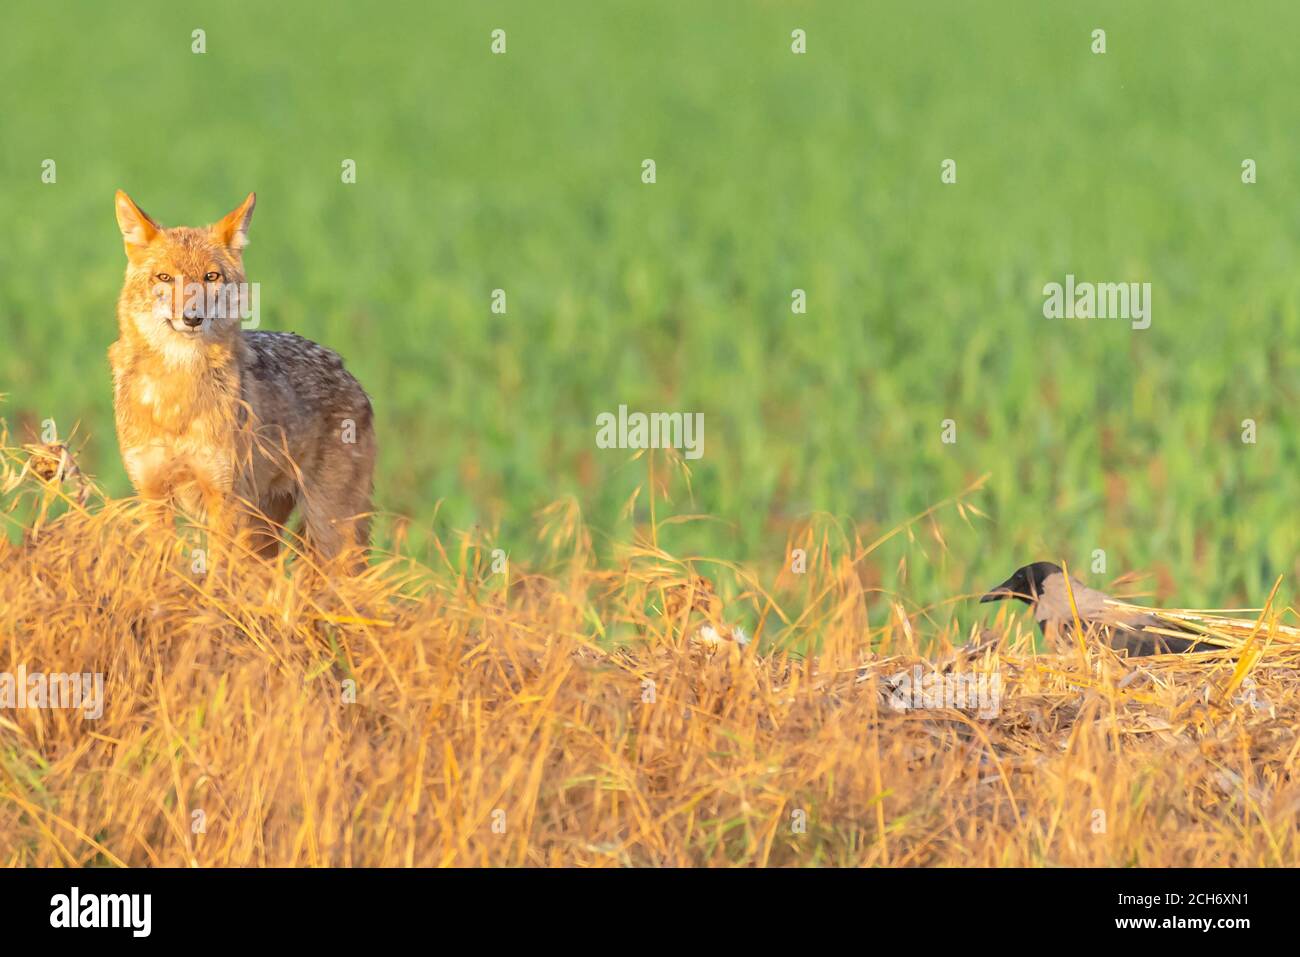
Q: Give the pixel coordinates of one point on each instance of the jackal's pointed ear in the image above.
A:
(232, 229)
(138, 229)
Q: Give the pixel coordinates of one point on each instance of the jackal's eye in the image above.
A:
(163, 277)
(211, 276)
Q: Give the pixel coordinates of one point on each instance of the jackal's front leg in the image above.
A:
(221, 518)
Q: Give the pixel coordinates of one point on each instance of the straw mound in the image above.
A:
(261, 714)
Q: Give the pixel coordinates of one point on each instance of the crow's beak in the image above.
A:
(1005, 590)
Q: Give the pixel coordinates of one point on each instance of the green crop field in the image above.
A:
(774, 171)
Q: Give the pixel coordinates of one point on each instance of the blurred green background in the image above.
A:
(775, 171)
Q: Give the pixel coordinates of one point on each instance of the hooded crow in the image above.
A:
(1042, 587)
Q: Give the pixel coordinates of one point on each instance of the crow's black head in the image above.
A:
(1026, 584)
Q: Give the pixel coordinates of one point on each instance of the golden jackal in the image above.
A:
(210, 415)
